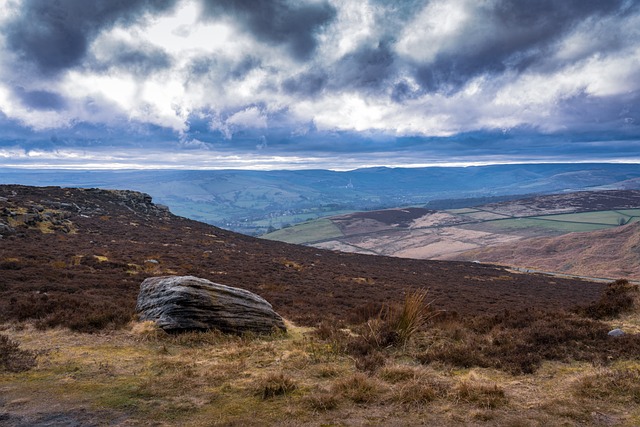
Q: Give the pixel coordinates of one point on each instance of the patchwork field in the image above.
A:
(451, 234)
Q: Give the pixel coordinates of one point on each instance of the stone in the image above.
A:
(6, 229)
(616, 333)
(183, 303)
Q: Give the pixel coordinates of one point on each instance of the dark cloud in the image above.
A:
(220, 71)
(306, 84)
(278, 21)
(55, 34)
(402, 91)
(240, 70)
(141, 60)
(366, 68)
(521, 34)
(40, 99)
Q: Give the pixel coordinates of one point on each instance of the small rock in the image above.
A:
(6, 230)
(616, 333)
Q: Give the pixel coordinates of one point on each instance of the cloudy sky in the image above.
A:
(317, 83)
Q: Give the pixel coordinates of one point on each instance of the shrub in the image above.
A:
(12, 358)
(618, 298)
(518, 342)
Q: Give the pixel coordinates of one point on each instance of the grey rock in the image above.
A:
(616, 333)
(182, 303)
(6, 229)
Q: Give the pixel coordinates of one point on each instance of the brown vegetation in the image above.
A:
(88, 280)
(480, 346)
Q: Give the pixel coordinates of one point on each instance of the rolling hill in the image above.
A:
(486, 345)
(254, 202)
(611, 252)
(465, 233)
(75, 254)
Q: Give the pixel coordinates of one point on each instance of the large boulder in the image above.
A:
(182, 303)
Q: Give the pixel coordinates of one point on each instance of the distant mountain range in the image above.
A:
(255, 202)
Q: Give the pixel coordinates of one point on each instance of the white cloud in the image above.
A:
(250, 117)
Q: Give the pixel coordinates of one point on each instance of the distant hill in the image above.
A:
(612, 253)
(464, 233)
(255, 202)
(76, 257)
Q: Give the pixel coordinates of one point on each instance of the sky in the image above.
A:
(336, 84)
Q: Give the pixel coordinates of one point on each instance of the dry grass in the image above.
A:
(359, 388)
(275, 384)
(612, 384)
(314, 376)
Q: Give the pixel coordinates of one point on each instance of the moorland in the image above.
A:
(371, 339)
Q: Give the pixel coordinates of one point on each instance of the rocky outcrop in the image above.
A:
(182, 303)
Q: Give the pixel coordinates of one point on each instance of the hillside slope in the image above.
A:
(613, 252)
(68, 256)
(418, 232)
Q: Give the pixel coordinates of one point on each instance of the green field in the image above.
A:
(560, 226)
(461, 211)
(568, 223)
(599, 217)
(306, 232)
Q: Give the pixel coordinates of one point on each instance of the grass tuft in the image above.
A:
(322, 401)
(275, 385)
(359, 388)
(483, 395)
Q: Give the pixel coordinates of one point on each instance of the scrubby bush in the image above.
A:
(618, 298)
(14, 359)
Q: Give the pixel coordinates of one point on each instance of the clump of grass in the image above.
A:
(327, 371)
(322, 401)
(417, 392)
(412, 316)
(275, 385)
(483, 395)
(394, 326)
(13, 358)
(397, 373)
(359, 388)
(612, 384)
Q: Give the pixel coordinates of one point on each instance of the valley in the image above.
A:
(257, 202)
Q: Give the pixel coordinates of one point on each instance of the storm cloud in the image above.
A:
(290, 23)
(368, 80)
(55, 35)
